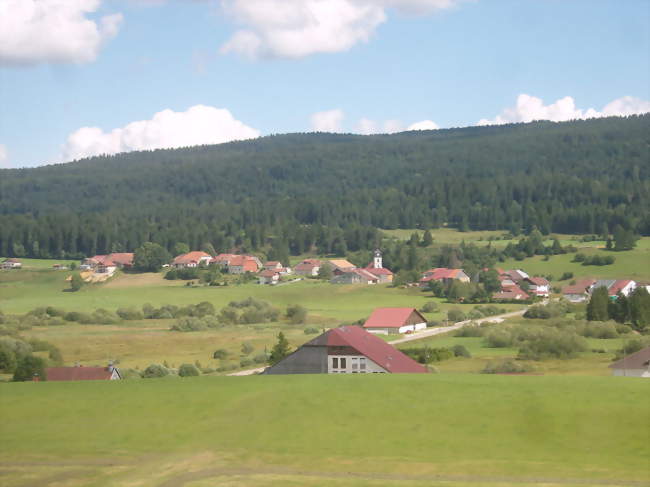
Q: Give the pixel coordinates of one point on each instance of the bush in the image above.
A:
(553, 343)
(8, 360)
(566, 276)
(247, 348)
(245, 362)
(155, 371)
(188, 370)
(426, 355)
(501, 338)
(220, 354)
(261, 358)
(104, 317)
(130, 314)
(311, 330)
(429, 307)
(544, 312)
(470, 331)
(29, 366)
(595, 329)
(460, 351)
(455, 315)
(188, 324)
(490, 310)
(296, 314)
(623, 329)
(506, 367)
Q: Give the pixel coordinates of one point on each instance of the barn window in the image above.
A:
(335, 362)
(362, 363)
(343, 363)
(355, 364)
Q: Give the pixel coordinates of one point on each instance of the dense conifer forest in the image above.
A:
(334, 190)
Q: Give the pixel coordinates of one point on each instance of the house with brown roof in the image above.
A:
(395, 320)
(191, 259)
(12, 263)
(615, 286)
(444, 275)
(346, 350)
(80, 372)
(341, 265)
(538, 286)
(222, 259)
(634, 365)
(269, 276)
(578, 292)
(511, 293)
(308, 267)
(241, 264)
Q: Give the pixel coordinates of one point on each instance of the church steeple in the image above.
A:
(377, 262)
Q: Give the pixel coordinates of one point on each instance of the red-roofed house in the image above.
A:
(244, 263)
(614, 286)
(444, 275)
(511, 293)
(377, 269)
(192, 259)
(82, 373)
(273, 265)
(222, 259)
(395, 320)
(308, 267)
(346, 350)
(269, 276)
(578, 292)
(121, 259)
(538, 286)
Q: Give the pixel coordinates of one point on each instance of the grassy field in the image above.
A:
(369, 430)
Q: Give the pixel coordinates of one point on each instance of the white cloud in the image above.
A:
(298, 28)
(4, 155)
(327, 121)
(52, 31)
(529, 108)
(198, 125)
(423, 125)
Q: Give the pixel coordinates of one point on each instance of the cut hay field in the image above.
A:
(355, 430)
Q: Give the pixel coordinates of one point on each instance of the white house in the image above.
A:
(634, 365)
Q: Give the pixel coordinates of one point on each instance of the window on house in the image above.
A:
(355, 363)
(343, 363)
(362, 363)
(335, 362)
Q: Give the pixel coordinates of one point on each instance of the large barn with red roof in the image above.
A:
(346, 350)
(82, 373)
(395, 320)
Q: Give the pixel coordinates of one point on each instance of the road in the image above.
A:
(444, 329)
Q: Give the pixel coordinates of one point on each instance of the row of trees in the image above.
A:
(634, 309)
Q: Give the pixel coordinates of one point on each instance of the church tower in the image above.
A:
(377, 263)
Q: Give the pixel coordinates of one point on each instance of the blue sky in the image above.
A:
(300, 65)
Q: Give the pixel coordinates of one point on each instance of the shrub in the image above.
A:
(188, 324)
(455, 315)
(501, 338)
(595, 329)
(429, 307)
(220, 354)
(261, 358)
(566, 276)
(130, 314)
(245, 362)
(311, 330)
(247, 348)
(104, 317)
(155, 371)
(188, 370)
(460, 351)
(27, 367)
(474, 315)
(506, 367)
(631, 346)
(490, 310)
(7, 358)
(553, 343)
(296, 314)
(623, 329)
(129, 374)
(470, 331)
(426, 355)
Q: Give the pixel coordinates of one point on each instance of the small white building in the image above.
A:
(12, 264)
(634, 365)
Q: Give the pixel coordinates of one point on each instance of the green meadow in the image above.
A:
(447, 430)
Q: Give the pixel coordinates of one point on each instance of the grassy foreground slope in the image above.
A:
(328, 430)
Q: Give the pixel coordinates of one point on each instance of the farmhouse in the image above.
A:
(222, 259)
(615, 286)
(354, 276)
(273, 265)
(377, 269)
(308, 267)
(538, 286)
(395, 320)
(341, 265)
(634, 365)
(269, 277)
(82, 373)
(578, 292)
(346, 350)
(12, 264)
(117, 260)
(191, 259)
(241, 264)
(444, 275)
(511, 293)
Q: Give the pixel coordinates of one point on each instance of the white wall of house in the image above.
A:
(401, 329)
(632, 372)
(352, 364)
(575, 298)
(627, 290)
(415, 327)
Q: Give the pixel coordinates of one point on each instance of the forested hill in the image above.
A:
(571, 177)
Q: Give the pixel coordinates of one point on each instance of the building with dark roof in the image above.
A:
(346, 350)
(634, 365)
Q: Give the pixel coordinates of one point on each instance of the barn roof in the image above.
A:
(194, 256)
(367, 344)
(580, 287)
(78, 373)
(636, 360)
(391, 317)
(342, 264)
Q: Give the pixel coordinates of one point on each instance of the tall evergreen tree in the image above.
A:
(598, 304)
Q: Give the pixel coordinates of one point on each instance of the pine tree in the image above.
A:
(597, 306)
(427, 239)
(280, 349)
